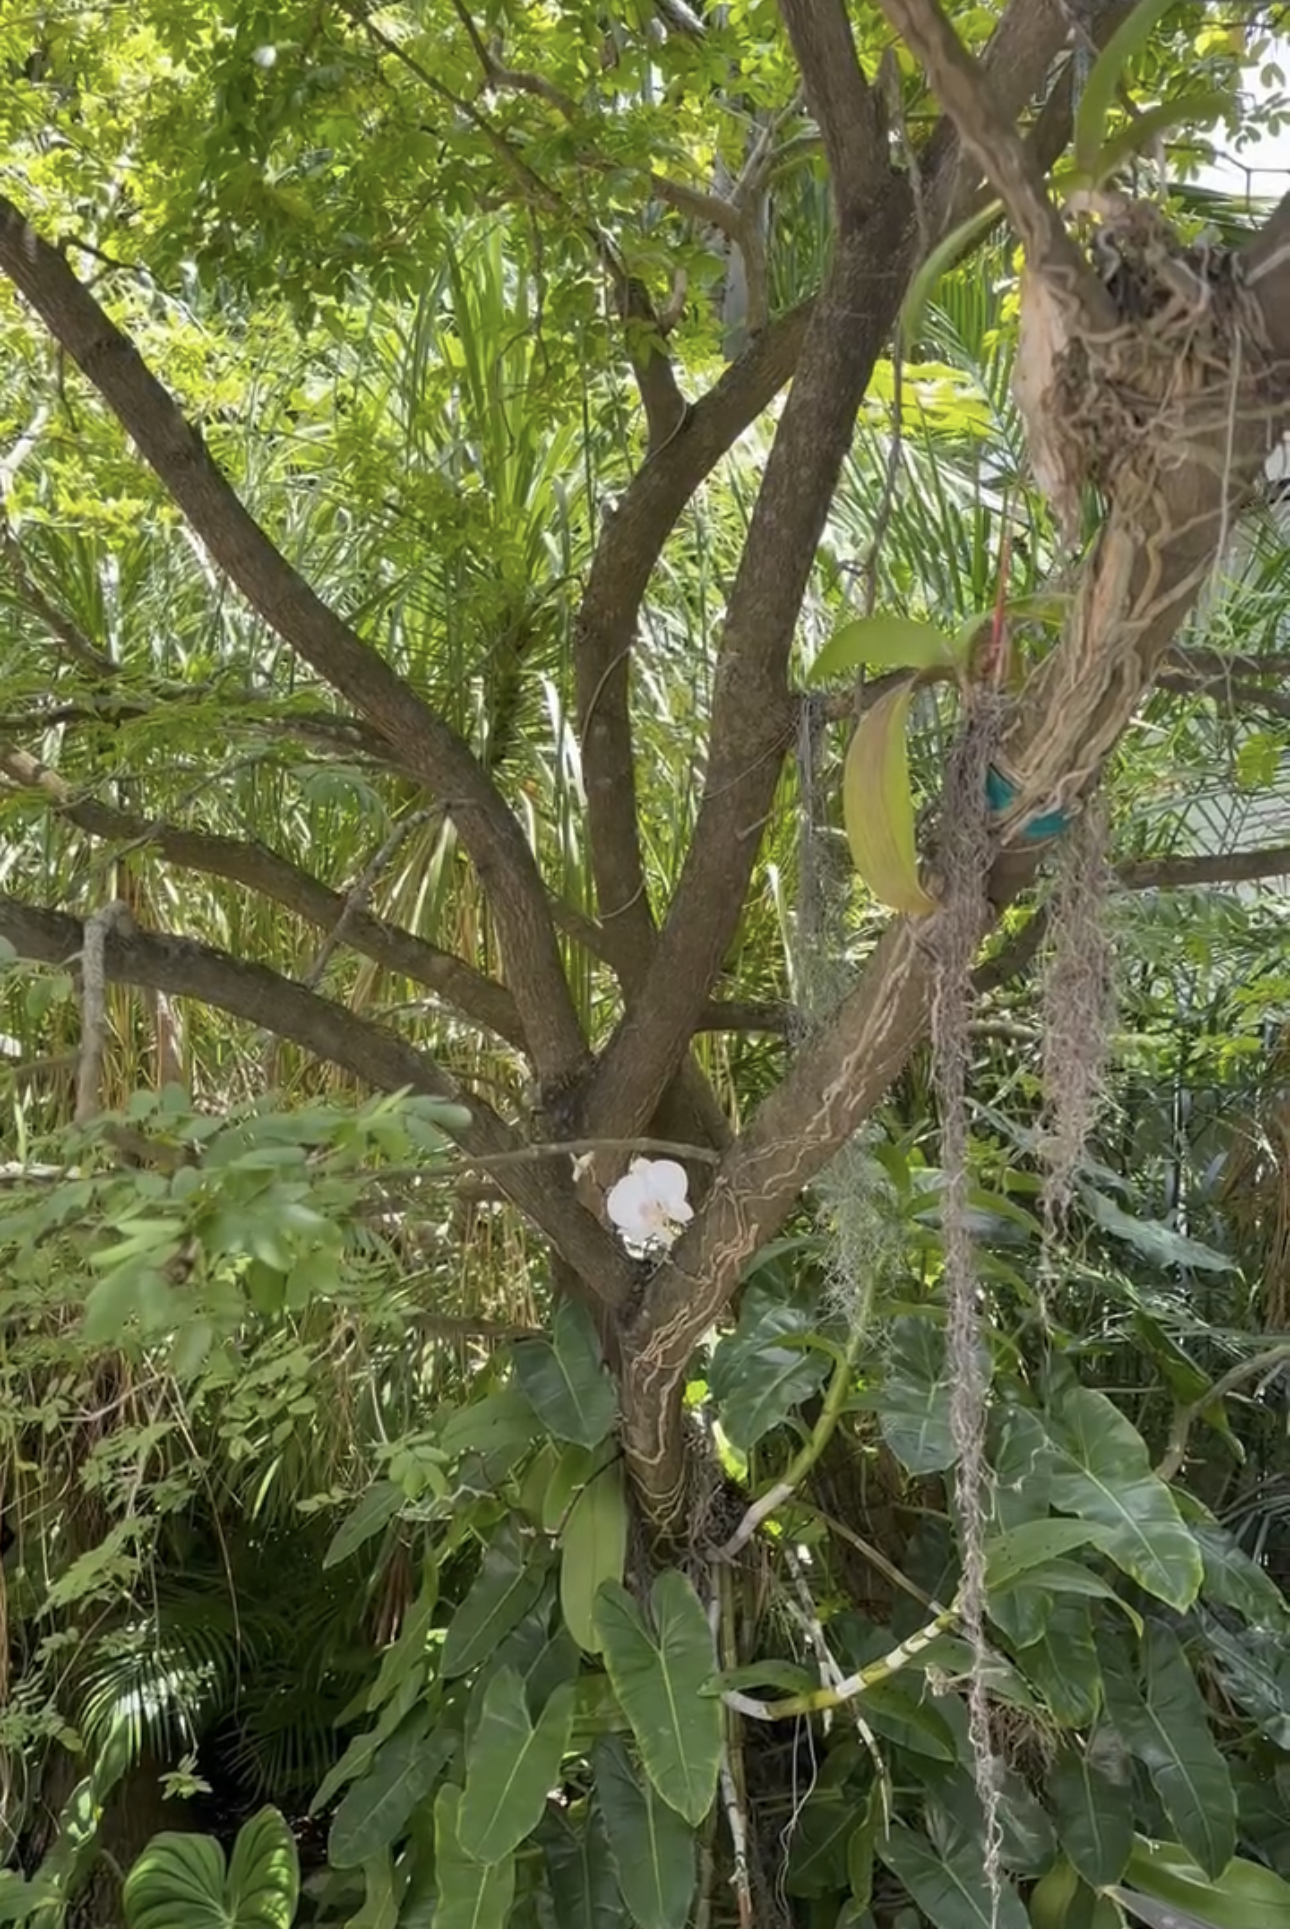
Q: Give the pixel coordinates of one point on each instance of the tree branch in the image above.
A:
(966, 92)
(753, 715)
(541, 1189)
(423, 741)
(260, 869)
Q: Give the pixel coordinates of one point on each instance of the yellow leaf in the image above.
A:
(878, 806)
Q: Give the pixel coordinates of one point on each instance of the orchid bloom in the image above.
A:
(648, 1205)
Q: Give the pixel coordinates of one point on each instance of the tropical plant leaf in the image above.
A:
(914, 1411)
(1244, 1896)
(1094, 1816)
(511, 1766)
(939, 261)
(565, 1380)
(878, 805)
(1103, 1475)
(471, 1895)
(652, 1847)
(950, 1889)
(376, 1807)
(660, 1675)
(1063, 1664)
(502, 1419)
(510, 1578)
(1032, 1544)
(766, 1367)
(580, 1871)
(1167, 1728)
(374, 1511)
(884, 643)
(180, 1882)
(593, 1548)
(1059, 1900)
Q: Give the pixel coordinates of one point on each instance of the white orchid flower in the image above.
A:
(648, 1205)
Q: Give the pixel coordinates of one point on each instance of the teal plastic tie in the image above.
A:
(1001, 793)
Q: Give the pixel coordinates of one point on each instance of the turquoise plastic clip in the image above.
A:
(1001, 793)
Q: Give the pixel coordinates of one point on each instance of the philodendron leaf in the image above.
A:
(472, 1895)
(1103, 1474)
(1167, 1728)
(179, 1882)
(511, 1765)
(652, 1848)
(950, 1889)
(1244, 1896)
(374, 1511)
(765, 1368)
(659, 1674)
(580, 1872)
(1094, 1816)
(377, 1806)
(878, 805)
(565, 1380)
(593, 1548)
(508, 1583)
(914, 1412)
(884, 643)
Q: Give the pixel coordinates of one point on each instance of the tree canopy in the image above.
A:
(643, 1227)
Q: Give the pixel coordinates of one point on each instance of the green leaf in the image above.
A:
(511, 1766)
(1196, 109)
(1168, 1730)
(659, 1675)
(572, 1471)
(580, 1871)
(1094, 1816)
(593, 1548)
(756, 1377)
(950, 1889)
(1236, 1581)
(376, 1807)
(652, 1848)
(380, 1908)
(1245, 1896)
(179, 1881)
(938, 263)
(1159, 1243)
(508, 1583)
(878, 805)
(1061, 1901)
(818, 1851)
(1063, 1664)
(374, 1511)
(884, 643)
(565, 1381)
(502, 1419)
(1033, 1544)
(472, 1895)
(1103, 78)
(860, 1851)
(1103, 1475)
(915, 1408)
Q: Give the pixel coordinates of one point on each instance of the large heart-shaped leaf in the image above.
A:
(878, 805)
(580, 1871)
(1103, 1475)
(508, 1583)
(766, 1367)
(659, 1674)
(1094, 1815)
(565, 1379)
(1244, 1896)
(511, 1766)
(377, 1806)
(914, 1412)
(652, 1847)
(180, 1881)
(1167, 1728)
(472, 1895)
(593, 1548)
(950, 1889)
